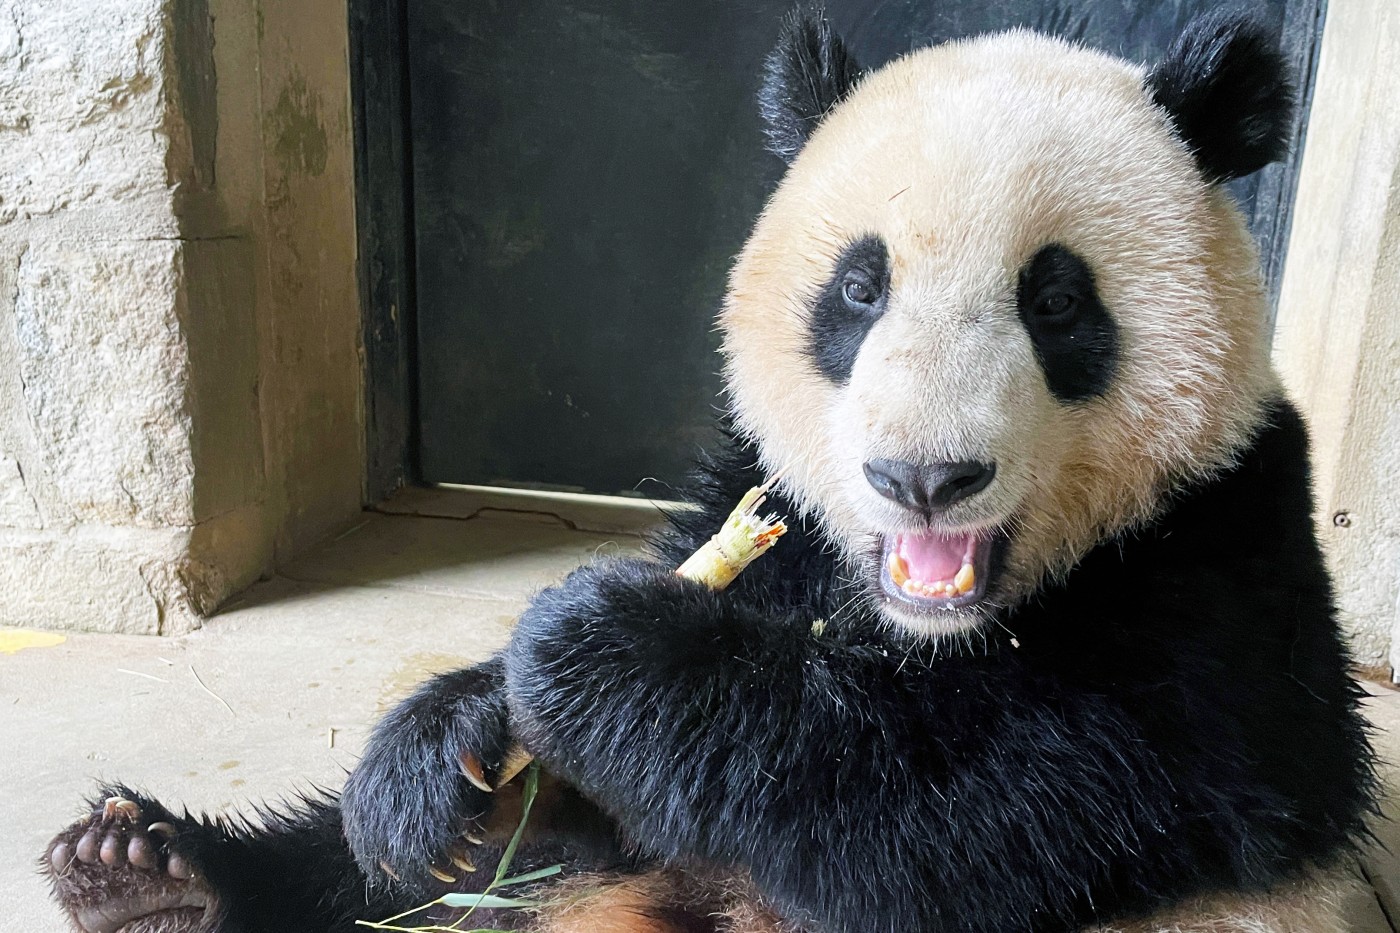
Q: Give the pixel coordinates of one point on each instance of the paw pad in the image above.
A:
(118, 865)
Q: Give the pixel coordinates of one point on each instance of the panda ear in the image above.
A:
(807, 73)
(1229, 92)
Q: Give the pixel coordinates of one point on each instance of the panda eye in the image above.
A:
(859, 294)
(847, 305)
(1074, 336)
(1056, 307)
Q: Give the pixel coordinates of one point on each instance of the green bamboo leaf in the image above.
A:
(485, 900)
(531, 876)
(532, 787)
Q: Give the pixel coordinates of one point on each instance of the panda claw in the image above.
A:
(516, 760)
(461, 861)
(119, 810)
(163, 829)
(471, 769)
(441, 875)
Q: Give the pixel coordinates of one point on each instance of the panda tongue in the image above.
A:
(933, 557)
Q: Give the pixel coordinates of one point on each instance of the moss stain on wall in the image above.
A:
(296, 128)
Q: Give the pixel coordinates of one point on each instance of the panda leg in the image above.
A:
(134, 866)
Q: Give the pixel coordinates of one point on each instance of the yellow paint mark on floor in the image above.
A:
(17, 639)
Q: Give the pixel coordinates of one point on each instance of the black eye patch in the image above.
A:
(1075, 338)
(847, 307)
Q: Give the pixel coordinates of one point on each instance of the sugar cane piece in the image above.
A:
(743, 538)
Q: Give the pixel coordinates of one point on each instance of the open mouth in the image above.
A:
(937, 570)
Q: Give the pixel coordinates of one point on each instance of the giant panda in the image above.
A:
(1050, 645)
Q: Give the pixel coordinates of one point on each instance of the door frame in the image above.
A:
(380, 108)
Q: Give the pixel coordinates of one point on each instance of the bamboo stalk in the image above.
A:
(743, 538)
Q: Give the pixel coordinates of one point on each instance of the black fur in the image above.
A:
(807, 73)
(1075, 338)
(408, 801)
(408, 804)
(1229, 92)
(838, 326)
(1177, 719)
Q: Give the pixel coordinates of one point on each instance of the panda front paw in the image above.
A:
(616, 669)
(628, 612)
(418, 797)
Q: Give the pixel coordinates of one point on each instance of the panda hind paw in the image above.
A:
(122, 868)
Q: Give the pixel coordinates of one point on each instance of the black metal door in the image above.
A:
(582, 173)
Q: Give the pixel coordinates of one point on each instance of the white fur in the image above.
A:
(1308, 906)
(966, 158)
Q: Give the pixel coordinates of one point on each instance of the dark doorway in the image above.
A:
(576, 177)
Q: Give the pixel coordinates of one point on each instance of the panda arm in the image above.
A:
(860, 789)
(406, 800)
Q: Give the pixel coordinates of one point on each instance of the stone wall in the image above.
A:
(1338, 335)
(179, 366)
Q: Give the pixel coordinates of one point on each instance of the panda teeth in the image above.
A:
(960, 585)
(899, 571)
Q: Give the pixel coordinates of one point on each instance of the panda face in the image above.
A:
(993, 315)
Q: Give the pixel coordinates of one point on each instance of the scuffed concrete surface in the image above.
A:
(296, 671)
(311, 369)
(305, 662)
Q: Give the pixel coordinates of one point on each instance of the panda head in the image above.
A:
(999, 308)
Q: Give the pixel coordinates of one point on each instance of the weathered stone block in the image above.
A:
(75, 582)
(17, 506)
(179, 369)
(82, 108)
(104, 368)
(141, 581)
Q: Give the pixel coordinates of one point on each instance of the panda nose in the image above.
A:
(928, 487)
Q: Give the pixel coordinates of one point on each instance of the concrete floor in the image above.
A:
(276, 694)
